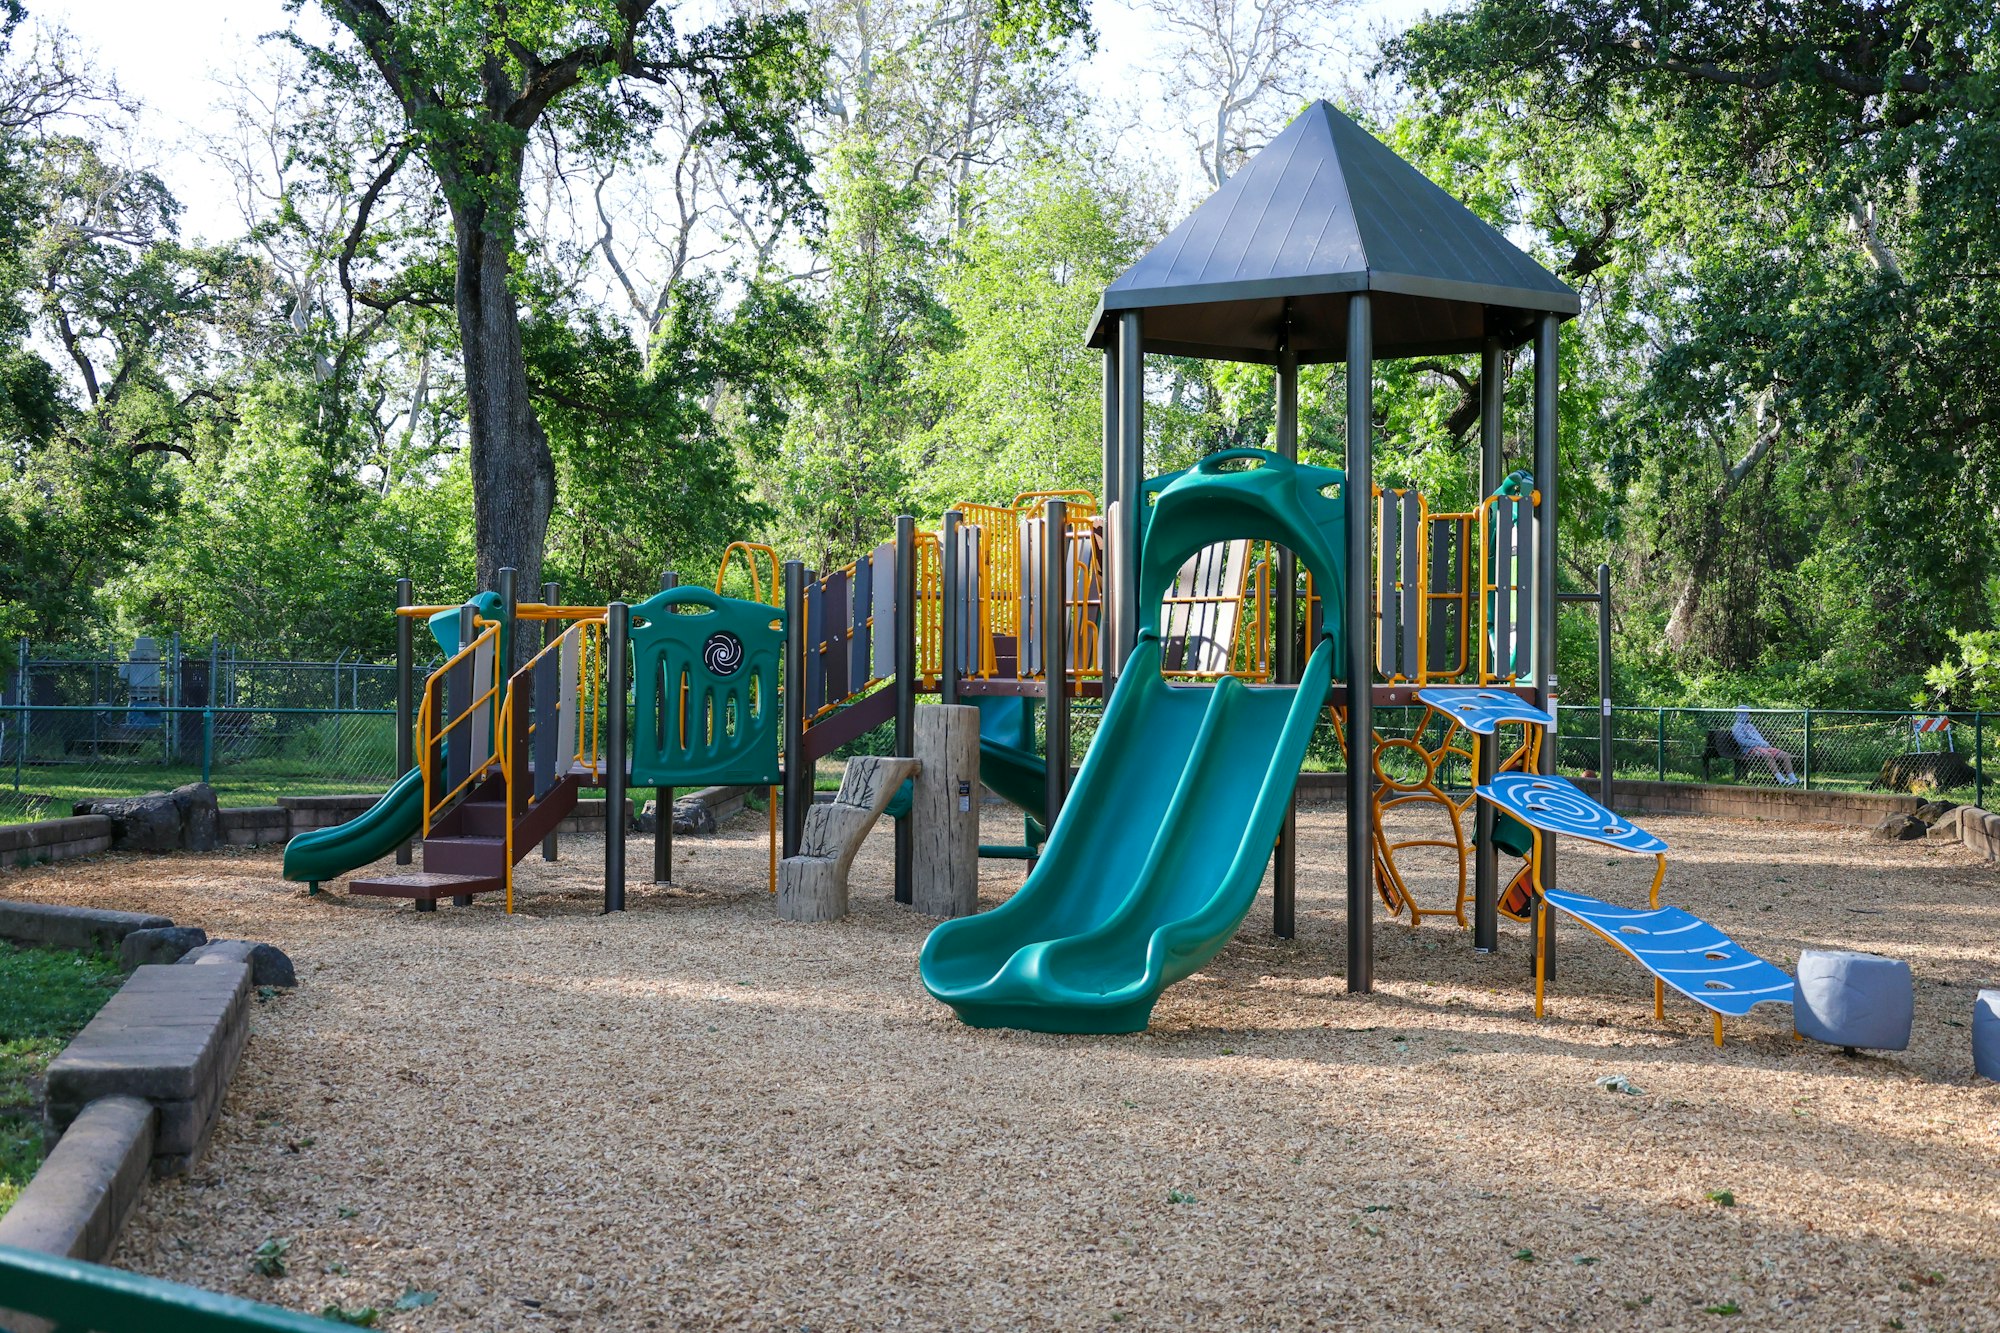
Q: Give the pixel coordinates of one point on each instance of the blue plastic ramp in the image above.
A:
(1687, 953)
(1557, 805)
(1482, 711)
(1679, 949)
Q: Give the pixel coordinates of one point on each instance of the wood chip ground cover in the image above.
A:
(696, 1116)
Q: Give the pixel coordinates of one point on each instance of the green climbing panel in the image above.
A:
(705, 697)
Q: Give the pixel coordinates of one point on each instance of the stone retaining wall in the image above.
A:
(54, 840)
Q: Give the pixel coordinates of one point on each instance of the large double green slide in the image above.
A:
(1163, 842)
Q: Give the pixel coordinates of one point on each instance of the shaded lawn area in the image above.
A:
(46, 996)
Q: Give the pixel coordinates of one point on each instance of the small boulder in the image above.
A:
(268, 964)
(648, 818)
(199, 816)
(167, 944)
(1899, 828)
(149, 823)
(1932, 811)
(693, 817)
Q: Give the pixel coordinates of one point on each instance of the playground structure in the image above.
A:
(1219, 612)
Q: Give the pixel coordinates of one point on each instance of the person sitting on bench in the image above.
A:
(1752, 744)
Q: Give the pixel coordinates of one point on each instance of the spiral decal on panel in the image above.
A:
(723, 653)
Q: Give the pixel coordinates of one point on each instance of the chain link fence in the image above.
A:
(51, 757)
(1927, 754)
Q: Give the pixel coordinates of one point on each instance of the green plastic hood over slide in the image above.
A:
(1163, 842)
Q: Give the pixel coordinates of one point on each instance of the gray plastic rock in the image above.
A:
(166, 944)
(1986, 1035)
(268, 964)
(1854, 1000)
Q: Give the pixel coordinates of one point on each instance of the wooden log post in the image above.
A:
(945, 811)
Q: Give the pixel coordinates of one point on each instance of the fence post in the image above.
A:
(21, 698)
(207, 742)
(1805, 759)
(1978, 760)
(1662, 724)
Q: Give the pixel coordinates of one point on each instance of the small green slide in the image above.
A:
(328, 853)
(1163, 841)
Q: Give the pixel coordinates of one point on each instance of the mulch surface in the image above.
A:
(694, 1115)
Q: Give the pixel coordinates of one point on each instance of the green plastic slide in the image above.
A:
(1146, 876)
(1163, 841)
(328, 853)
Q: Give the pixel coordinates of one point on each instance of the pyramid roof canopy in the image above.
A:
(1324, 211)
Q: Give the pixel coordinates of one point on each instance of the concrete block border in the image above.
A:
(54, 926)
(79, 1199)
(137, 1092)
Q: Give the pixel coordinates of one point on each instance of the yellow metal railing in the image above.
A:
(427, 739)
(929, 610)
(588, 705)
(767, 584)
(1465, 526)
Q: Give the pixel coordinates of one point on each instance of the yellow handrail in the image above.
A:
(426, 739)
(587, 688)
(752, 552)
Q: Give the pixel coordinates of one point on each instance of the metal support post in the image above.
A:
(1131, 474)
(1547, 332)
(551, 631)
(906, 691)
(1055, 657)
(1114, 490)
(798, 771)
(617, 685)
(1285, 655)
(1604, 755)
(1485, 856)
(950, 608)
(1358, 493)
(663, 797)
(406, 703)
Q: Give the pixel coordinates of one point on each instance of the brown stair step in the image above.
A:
(425, 885)
(466, 855)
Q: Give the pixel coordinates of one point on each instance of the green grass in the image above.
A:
(48, 791)
(46, 995)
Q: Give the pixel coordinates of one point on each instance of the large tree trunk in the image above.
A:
(513, 474)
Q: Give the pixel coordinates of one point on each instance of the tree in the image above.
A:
(1240, 69)
(1014, 393)
(1792, 268)
(475, 82)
